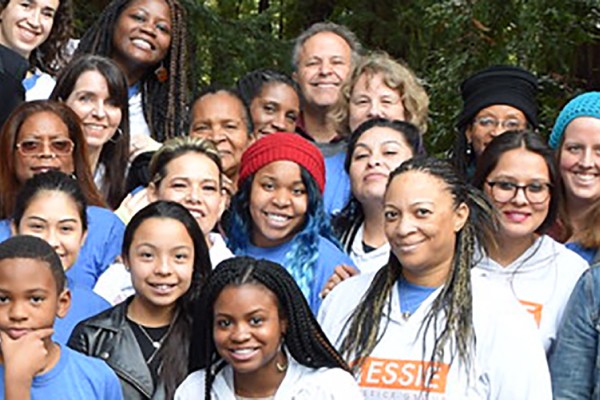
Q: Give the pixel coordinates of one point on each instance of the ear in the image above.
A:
(295, 76)
(63, 303)
(13, 228)
(152, 193)
(469, 133)
(284, 327)
(461, 214)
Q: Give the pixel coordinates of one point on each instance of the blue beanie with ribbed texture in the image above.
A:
(584, 105)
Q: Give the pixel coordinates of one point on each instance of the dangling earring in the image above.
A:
(282, 367)
(116, 136)
(161, 73)
(469, 149)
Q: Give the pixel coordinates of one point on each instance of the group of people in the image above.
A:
(288, 237)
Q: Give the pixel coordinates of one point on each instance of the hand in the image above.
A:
(26, 356)
(140, 144)
(340, 273)
(132, 204)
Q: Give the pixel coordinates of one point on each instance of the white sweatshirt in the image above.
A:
(507, 362)
(541, 279)
(300, 383)
(371, 261)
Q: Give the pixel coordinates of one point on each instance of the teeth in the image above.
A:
(277, 218)
(95, 127)
(196, 214)
(142, 44)
(243, 351)
(585, 176)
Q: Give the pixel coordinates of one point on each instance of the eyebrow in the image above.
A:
(38, 218)
(256, 310)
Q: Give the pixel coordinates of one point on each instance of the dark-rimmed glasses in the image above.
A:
(505, 191)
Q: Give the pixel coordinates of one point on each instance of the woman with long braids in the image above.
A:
(146, 338)
(255, 337)
(148, 40)
(423, 327)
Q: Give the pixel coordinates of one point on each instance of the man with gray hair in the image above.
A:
(323, 58)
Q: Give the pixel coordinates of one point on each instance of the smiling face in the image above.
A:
(45, 127)
(161, 263)
(248, 330)
(372, 98)
(54, 217)
(323, 65)
(579, 160)
(278, 203)
(377, 152)
(519, 218)
(91, 101)
(26, 24)
(28, 297)
(421, 223)
(142, 34)
(480, 134)
(192, 180)
(275, 109)
(219, 117)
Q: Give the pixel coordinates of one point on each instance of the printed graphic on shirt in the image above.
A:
(535, 309)
(382, 378)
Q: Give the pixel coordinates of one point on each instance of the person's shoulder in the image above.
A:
(107, 319)
(565, 257)
(94, 369)
(332, 253)
(327, 383)
(191, 386)
(104, 216)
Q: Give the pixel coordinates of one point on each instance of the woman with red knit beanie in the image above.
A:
(277, 213)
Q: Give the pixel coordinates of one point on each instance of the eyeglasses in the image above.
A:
(493, 123)
(503, 191)
(33, 147)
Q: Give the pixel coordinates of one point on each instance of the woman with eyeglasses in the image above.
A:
(495, 100)
(518, 174)
(40, 136)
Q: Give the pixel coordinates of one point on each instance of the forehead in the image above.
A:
(379, 135)
(374, 81)
(245, 297)
(218, 105)
(53, 4)
(282, 170)
(418, 186)
(325, 44)
(278, 90)
(52, 204)
(157, 8)
(162, 232)
(93, 80)
(193, 163)
(25, 274)
(523, 164)
(43, 123)
(584, 129)
(501, 111)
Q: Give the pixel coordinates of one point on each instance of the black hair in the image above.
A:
(251, 84)
(173, 355)
(34, 248)
(50, 181)
(304, 337)
(347, 222)
(529, 141)
(218, 88)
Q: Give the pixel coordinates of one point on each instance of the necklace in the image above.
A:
(155, 343)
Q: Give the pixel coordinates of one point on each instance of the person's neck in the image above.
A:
(317, 125)
(93, 158)
(373, 227)
(150, 316)
(432, 277)
(261, 383)
(509, 248)
(577, 212)
(132, 73)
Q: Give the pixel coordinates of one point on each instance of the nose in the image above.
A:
(404, 226)
(34, 17)
(162, 267)
(240, 333)
(281, 198)
(17, 311)
(520, 197)
(46, 150)
(325, 68)
(587, 159)
(148, 27)
(279, 122)
(99, 111)
(375, 110)
(374, 159)
(51, 237)
(193, 194)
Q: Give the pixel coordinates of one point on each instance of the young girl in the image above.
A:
(95, 88)
(255, 337)
(49, 25)
(576, 138)
(422, 327)
(278, 215)
(518, 174)
(145, 339)
(52, 207)
(46, 135)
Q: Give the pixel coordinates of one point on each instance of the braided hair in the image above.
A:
(304, 338)
(453, 306)
(164, 103)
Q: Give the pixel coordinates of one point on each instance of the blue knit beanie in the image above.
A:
(584, 105)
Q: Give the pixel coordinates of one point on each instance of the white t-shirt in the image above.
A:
(39, 86)
(507, 358)
(541, 279)
(300, 383)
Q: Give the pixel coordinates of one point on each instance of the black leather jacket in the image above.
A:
(108, 336)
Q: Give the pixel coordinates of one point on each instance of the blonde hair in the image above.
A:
(398, 77)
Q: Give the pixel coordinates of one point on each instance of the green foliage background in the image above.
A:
(442, 40)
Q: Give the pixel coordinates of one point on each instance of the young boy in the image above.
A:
(32, 366)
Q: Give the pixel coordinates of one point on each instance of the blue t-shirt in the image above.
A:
(337, 184)
(585, 252)
(74, 377)
(102, 245)
(411, 295)
(329, 258)
(84, 304)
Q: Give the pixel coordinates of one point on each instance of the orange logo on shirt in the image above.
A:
(534, 309)
(404, 375)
